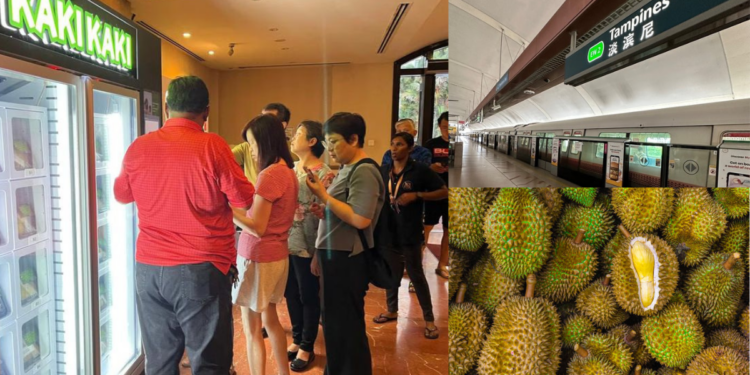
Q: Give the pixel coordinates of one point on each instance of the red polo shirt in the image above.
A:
(182, 180)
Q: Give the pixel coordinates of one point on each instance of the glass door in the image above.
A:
(112, 125)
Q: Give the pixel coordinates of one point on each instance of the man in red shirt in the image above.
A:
(183, 182)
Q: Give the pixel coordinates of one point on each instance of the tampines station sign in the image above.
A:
(656, 22)
(79, 29)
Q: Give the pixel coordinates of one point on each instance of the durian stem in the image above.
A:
(579, 237)
(530, 282)
(624, 231)
(732, 259)
(638, 370)
(630, 336)
(607, 279)
(581, 351)
(461, 293)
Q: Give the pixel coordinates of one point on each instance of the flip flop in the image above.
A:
(431, 334)
(411, 288)
(442, 272)
(382, 318)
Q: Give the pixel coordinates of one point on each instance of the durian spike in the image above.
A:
(581, 351)
(606, 280)
(530, 282)
(638, 370)
(579, 237)
(643, 261)
(461, 293)
(730, 262)
(624, 231)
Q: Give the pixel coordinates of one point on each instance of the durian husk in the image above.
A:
(625, 284)
(591, 365)
(517, 231)
(641, 356)
(735, 239)
(525, 339)
(458, 262)
(598, 303)
(714, 292)
(569, 270)
(487, 287)
(582, 196)
(729, 337)
(744, 323)
(697, 222)
(552, 199)
(466, 211)
(719, 360)
(611, 348)
(734, 201)
(467, 325)
(597, 221)
(615, 245)
(674, 336)
(670, 371)
(575, 329)
(643, 209)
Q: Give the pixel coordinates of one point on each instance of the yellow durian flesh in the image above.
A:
(643, 260)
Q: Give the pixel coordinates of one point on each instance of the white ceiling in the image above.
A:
(320, 31)
(712, 69)
(487, 36)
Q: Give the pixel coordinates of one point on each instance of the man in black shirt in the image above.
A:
(408, 184)
(433, 211)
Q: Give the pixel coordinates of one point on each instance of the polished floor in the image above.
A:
(397, 347)
(485, 167)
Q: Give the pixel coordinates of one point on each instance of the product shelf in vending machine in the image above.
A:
(30, 204)
(34, 274)
(6, 231)
(8, 355)
(36, 338)
(29, 131)
(4, 167)
(8, 307)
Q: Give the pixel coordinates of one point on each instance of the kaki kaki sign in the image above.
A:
(67, 26)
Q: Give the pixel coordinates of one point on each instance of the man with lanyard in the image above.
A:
(433, 211)
(409, 183)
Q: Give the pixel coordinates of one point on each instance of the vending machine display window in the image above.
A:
(30, 208)
(33, 276)
(103, 192)
(7, 310)
(103, 243)
(4, 170)
(6, 238)
(7, 350)
(36, 339)
(28, 133)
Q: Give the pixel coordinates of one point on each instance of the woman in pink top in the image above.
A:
(262, 252)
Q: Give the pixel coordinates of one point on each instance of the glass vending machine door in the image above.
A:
(114, 129)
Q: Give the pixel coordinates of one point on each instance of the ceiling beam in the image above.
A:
(478, 14)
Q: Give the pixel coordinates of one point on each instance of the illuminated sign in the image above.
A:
(67, 27)
(648, 26)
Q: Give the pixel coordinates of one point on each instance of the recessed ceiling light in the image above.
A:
(285, 48)
(211, 52)
(273, 29)
(186, 35)
(280, 40)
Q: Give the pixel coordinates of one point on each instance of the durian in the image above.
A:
(458, 262)
(525, 338)
(582, 196)
(698, 221)
(729, 337)
(674, 336)
(643, 209)
(597, 221)
(670, 371)
(634, 340)
(639, 370)
(616, 244)
(552, 199)
(719, 360)
(488, 287)
(734, 201)
(575, 329)
(467, 325)
(714, 289)
(745, 322)
(586, 363)
(611, 348)
(517, 230)
(645, 274)
(466, 210)
(735, 238)
(571, 267)
(598, 303)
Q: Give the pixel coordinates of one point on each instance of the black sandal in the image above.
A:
(431, 334)
(382, 318)
(299, 365)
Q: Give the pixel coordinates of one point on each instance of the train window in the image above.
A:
(651, 137)
(613, 135)
(599, 150)
(564, 146)
(576, 149)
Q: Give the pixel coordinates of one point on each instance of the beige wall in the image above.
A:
(243, 94)
(121, 6)
(313, 93)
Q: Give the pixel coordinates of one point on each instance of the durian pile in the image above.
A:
(585, 281)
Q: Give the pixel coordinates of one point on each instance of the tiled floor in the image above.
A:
(485, 167)
(397, 347)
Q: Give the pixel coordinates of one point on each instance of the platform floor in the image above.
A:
(397, 347)
(485, 167)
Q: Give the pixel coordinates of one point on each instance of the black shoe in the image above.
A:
(291, 355)
(265, 334)
(299, 365)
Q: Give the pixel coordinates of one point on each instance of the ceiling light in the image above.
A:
(211, 53)
(285, 48)
(186, 35)
(280, 40)
(273, 29)
(529, 92)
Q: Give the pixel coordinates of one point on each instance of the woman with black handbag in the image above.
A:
(351, 204)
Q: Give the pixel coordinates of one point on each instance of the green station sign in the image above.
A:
(67, 27)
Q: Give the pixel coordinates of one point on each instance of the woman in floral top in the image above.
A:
(303, 286)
